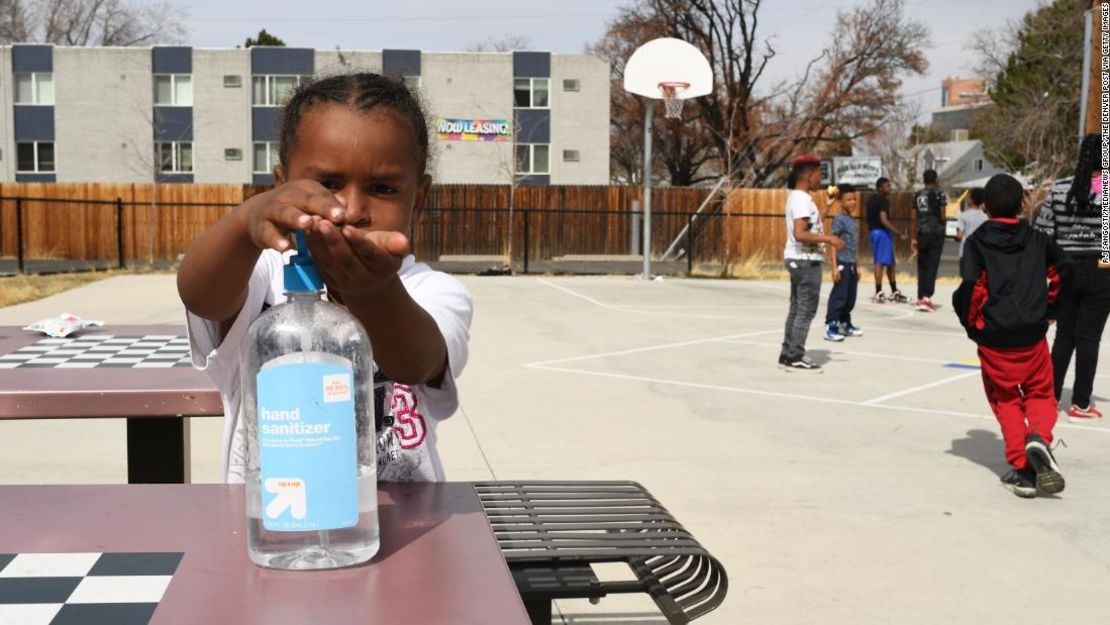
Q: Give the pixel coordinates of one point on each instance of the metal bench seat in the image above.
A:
(552, 532)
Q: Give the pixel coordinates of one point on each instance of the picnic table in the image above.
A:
(438, 562)
(137, 372)
(551, 533)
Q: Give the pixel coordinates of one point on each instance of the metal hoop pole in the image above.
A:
(649, 108)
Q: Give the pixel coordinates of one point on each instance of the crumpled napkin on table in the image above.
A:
(62, 326)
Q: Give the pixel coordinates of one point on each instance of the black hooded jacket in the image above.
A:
(1011, 281)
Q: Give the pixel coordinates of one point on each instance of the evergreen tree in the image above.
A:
(1032, 125)
(264, 39)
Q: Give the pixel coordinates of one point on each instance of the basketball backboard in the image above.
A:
(668, 64)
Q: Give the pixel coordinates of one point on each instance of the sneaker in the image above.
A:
(1020, 482)
(832, 333)
(847, 329)
(898, 298)
(924, 305)
(1040, 458)
(879, 298)
(802, 364)
(1083, 415)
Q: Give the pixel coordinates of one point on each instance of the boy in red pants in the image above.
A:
(1011, 278)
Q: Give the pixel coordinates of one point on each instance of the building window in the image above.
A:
(412, 82)
(270, 90)
(233, 154)
(34, 157)
(571, 156)
(531, 158)
(978, 164)
(571, 84)
(174, 157)
(233, 80)
(530, 93)
(173, 90)
(34, 88)
(266, 156)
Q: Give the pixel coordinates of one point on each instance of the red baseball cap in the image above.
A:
(807, 159)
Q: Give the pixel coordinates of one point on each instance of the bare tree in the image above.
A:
(684, 147)
(847, 92)
(91, 22)
(13, 22)
(143, 157)
(891, 143)
(507, 43)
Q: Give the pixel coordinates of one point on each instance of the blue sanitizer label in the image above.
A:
(307, 444)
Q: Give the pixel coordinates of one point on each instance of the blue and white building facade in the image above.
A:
(181, 114)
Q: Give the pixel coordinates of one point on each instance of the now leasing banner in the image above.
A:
(473, 129)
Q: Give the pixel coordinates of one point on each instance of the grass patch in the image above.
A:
(30, 287)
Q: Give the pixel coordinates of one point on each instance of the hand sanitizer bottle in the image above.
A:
(308, 391)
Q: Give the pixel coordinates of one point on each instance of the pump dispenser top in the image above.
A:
(301, 275)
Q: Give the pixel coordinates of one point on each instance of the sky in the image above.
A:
(798, 29)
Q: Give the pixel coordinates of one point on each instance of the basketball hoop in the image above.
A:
(671, 70)
(672, 97)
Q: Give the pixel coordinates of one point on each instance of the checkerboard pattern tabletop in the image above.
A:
(150, 351)
(83, 588)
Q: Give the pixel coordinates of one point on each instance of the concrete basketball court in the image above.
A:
(867, 493)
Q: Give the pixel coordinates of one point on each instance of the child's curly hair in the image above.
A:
(363, 92)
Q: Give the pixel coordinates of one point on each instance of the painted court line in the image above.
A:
(766, 304)
(922, 387)
(883, 313)
(850, 352)
(701, 385)
(826, 400)
(576, 294)
(635, 311)
(902, 330)
(650, 348)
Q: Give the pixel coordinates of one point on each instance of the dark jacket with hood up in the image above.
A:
(1012, 276)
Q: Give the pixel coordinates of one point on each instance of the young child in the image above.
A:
(838, 320)
(354, 150)
(971, 218)
(1012, 277)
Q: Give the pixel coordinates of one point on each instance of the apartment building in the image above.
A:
(181, 114)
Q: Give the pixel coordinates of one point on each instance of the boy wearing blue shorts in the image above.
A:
(882, 242)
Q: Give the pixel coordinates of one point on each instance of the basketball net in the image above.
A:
(671, 97)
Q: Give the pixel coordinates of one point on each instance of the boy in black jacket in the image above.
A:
(1011, 281)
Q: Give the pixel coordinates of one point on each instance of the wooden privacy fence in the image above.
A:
(755, 223)
(107, 223)
(94, 222)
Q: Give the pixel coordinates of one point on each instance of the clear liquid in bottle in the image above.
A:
(308, 407)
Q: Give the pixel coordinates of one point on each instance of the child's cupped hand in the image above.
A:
(355, 262)
(272, 216)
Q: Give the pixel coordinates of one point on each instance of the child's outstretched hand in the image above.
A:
(355, 262)
(271, 216)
